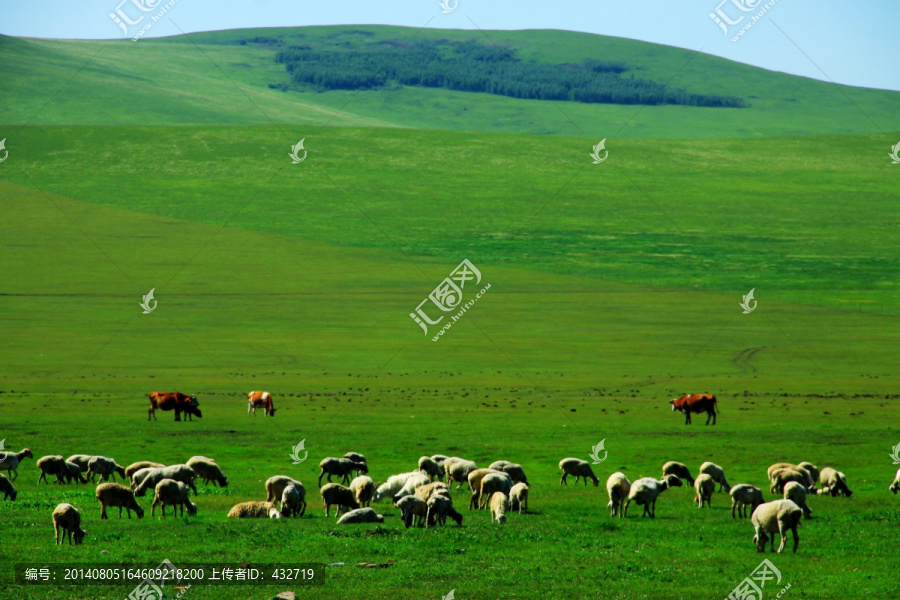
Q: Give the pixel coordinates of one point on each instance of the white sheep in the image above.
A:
(646, 490)
(10, 493)
(254, 509)
(493, 483)
(718, 475)
(293, 500)
(104, 467)
(9, 462)
(617, 487)
(678, 469)
(796, 493)
(148, 480)
(780, 478)
(810, 468)
(430, 489)
(342, 467)
(499, 506)
(458, 469)
(428, 466)
(363, 489)
(808, 480)
(275, 487)
(440, 506)
(744, 495)
(439, 459)
(81, 460)
(133, 468)
(474, 479)
(514, 470)
(518, 497)
(334, 494)
(778, 516)
(173, 493)
(53, 464)
(412, 509)
(578, 468)
(415, 481)
(705, 488)
(67, 520)
(895, 486)
(834, 483)
(394, 484)
(114, 495)
(360, 515)
(208, 470)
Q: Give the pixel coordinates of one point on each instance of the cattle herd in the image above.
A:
(422, 495)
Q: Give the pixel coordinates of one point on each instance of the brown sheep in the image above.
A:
(67, 520)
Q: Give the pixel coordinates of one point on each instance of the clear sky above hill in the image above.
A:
(848, 42)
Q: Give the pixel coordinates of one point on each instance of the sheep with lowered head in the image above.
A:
(357, 458)
(430, 489)
(809, 482)
(293, 500)
(778, 516)
(415, 481)
(412, 510)
(705, 487)
(780, 478)
(499, 506)
(834, 483)
(458, 469)
(363, 489)
(718, 475)
(133, 468)
(394, 484)
(73, 471)
(53, 464)
(104, 467)
(275, 487)
(148, 480)
(81, 460)
(440, 506)
(9, 492)
(895, 486)
(810, 468)
(578, 468)
(518, 497)
(617, 487)
(67, 520)
(334, 494)
(254, 509)
(360, 515)
(112, 495)
(474, 479)
(514, 470)
(493, 483)
(679, 470)
(744, 495)
(208, 470)
(341, 467)
(796, 493)
(173, 493)
(646, 490)
(9, 462)
(434, 471)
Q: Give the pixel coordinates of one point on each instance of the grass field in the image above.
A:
(614, 288)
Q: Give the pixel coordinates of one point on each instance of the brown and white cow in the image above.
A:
(697, 403)
(180, 403)
(260, 400)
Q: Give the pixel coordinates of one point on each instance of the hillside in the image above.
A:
(232, 78)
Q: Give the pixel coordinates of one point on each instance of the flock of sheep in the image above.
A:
(423, 495)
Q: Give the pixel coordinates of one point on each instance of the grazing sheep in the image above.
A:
(114, 495)
(334, 494)
(415, 481)
(133, 468)
(342, 467)
(359, 458)
(208, 470)
(780, 477)
(796, 493)
(363, 489)
(254, 509)
(499, 506)
(518, 497)
(493, 483)
(431, 468)
(293, 500)
(678, 469)
(895, 487)
(412, 508)
(743, 495)
(9, 462)
(172, 493)
(360, 515)
(73, 471)
(809, 482)
(275, 487)
(440, 507)
(705, 487)
(810, 468)
(617, 486)
(81, 460)
(646, 490)
(778, 516)
(718, 475)
(394, 484)
(10, 493)
(148, 480)
(430, 489)
(439, 459)
(474, 479)
(458, 469)
(104, 467)
(53, 464)
(834, 483)
(515, 471)
(578, 468)
(67, 520)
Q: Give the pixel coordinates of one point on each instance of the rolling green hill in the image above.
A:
(224, 78)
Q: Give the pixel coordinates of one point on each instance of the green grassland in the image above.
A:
(614, 287)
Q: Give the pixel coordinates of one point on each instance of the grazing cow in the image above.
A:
(176, 401)
(260, 400)
(697, 403)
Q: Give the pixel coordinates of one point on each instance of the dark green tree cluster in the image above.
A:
(473, 67)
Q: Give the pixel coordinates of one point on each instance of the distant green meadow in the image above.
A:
(614, 288)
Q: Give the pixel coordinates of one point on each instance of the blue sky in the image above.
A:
(853, 42)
